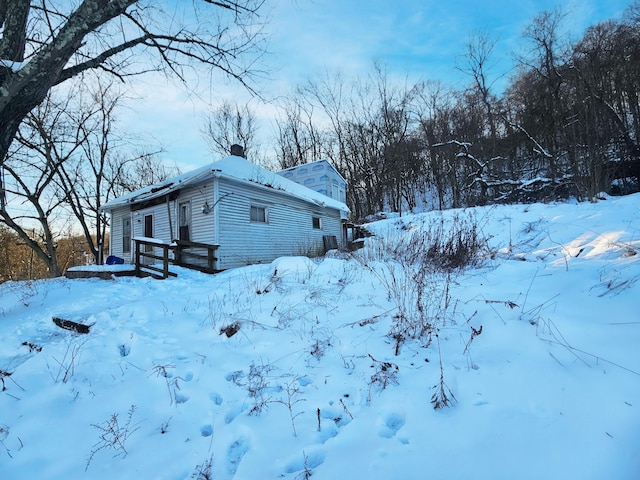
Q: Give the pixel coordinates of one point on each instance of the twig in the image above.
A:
(346, 409)
(474, 334)
(440, 398)
(597, 357)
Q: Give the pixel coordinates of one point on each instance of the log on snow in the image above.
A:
(71, 325)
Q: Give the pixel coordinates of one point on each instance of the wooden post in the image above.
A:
(165, 260)
(137, 258)
(178, 254)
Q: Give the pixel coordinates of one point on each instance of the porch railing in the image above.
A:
(184, 252)
(146, 248)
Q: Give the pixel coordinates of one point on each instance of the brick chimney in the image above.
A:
(237, 150)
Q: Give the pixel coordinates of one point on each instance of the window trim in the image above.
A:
(147, 230)
(316, 222)
(335, 191)
(184, 219)
(256, 218)
(126, 238)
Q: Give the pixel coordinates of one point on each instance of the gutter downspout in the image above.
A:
(216, 216)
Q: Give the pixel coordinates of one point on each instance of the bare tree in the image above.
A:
(299, 140)
(546, 57)
(30, 179)
(43, 45)
(106, 159)
(368, 134)
(479, 50)
(231, 124)
(140, 169)
(69, 159)
(434, 110)
(607, 91)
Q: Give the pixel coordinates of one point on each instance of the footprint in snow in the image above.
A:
(215, 398)
(233, 413)
(391, 424)
(332, 420)
(338, 416)
(304, 381)
(124, 349)
(236, 451)
(206, 430)
(327, 433)
(308, 461)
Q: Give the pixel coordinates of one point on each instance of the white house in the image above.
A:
(249, 214)
(320, 176)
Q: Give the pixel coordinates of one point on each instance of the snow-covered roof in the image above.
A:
(231, 167)
(311, 164)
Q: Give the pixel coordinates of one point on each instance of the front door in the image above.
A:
(184, 220)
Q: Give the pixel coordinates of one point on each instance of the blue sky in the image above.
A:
(418, 39)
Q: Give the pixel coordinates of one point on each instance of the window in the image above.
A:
(258, 214)
(148, 226)
(317, 222)
(126, 235)
(335, 191)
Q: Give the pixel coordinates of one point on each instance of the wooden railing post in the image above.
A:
(137, 257)
(165, 260)
(180, 249)
(178, 254)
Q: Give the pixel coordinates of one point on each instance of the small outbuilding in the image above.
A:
(227, 214)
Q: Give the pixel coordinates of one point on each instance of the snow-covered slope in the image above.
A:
(310, 384)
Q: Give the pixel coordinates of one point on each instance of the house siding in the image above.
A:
(202, 225)
(319, 176)
(160, 226)
(288, 231)
(228, 193)
(115, 245)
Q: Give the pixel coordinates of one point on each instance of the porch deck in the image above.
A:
(105, 272)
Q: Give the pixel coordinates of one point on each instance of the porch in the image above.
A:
(188, 254)
(153, 258)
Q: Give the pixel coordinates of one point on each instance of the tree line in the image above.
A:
(567, 124)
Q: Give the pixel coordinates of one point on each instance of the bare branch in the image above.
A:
(96, 34)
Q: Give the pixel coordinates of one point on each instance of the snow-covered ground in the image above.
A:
(310, 385)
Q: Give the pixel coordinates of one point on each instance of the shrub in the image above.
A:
(113, 435)
(416, 268)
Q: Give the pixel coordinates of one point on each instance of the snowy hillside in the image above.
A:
(307, 368)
